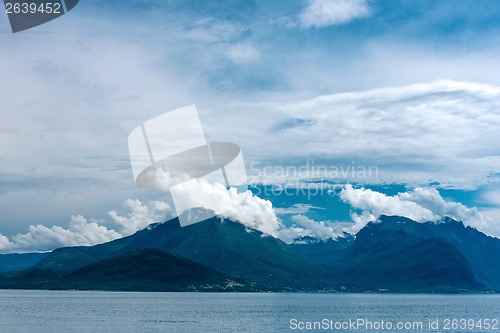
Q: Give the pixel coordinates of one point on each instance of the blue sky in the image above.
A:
(411, 87)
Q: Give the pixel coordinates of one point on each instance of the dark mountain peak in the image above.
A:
(480, 250)
(452, 223)
(445, 225)
(408, 225)
(393, 219)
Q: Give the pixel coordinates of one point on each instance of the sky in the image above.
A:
(398, 98)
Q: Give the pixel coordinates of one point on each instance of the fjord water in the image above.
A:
(77, 311)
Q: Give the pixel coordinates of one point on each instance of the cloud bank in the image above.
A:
(419, 204)
(244, 207)
(40, 238)
(322, 230)
(81, 231)
(444, 131)
(141, 215)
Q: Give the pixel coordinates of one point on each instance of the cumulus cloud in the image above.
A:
(244, 207)
(322, 13)
(420, 204)
(41, 238)
(322, 230)
(380, 204)
(141, 214)
(290, 234)
(83, 232)
(4, 243)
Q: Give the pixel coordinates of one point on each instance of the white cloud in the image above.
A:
(244, 207)
(322, 230)
(290, 234)
(40, 238)
(83, 232)
(380, 204)
(322, 13)
(141, 215)
(420, 204)
(431, 199)
(4, 243)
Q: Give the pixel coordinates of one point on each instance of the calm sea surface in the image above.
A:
(76, 311)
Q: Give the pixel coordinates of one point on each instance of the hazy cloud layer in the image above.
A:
(443, 131)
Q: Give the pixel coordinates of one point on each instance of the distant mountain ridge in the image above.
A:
(19, 261)
(394, 254)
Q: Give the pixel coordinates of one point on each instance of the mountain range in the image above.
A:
(393, 254)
